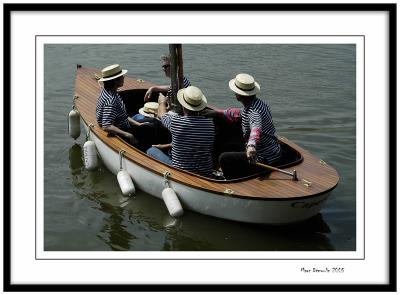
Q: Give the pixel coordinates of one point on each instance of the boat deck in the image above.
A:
(315, 176)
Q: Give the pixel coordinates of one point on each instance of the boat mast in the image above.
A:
(180, 66)
(175, 51)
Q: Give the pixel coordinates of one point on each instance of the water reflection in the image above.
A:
(75, 159)
(114, 233)
(221, 235)
(112, 230)
(142, 222)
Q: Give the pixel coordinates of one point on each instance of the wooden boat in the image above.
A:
(264, 198)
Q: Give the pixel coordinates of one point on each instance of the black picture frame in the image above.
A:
(8, 9)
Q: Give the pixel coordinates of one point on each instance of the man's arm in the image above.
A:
(162, 106)
(159, 88)
(230, 115)
(113, 130)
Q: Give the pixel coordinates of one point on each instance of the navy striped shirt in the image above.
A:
(192, 142)
(110, 110)
(258, 129)
(186, 84)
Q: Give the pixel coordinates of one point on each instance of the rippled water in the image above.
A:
(311, 90)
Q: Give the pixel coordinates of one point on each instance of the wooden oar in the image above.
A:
(294, 174)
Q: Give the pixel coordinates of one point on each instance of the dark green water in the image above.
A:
(311, 90)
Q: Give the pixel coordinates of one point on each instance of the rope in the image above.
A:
(121, 155)
(166, 175)
(75, 97)
(91, 125)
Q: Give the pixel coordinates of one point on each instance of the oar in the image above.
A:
(294, 174)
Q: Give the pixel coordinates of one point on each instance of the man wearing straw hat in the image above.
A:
(258, 130)
(192, 133)
(111, 113)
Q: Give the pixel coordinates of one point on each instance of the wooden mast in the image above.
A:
(175, 51)
(180, 66)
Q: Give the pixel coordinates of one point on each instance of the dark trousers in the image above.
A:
(151, 133)
(236, 165)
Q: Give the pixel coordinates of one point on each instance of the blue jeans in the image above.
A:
(138, 117)
(159, 155)
(141, 119)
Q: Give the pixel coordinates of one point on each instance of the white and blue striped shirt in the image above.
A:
(110, 110)
(186, 84)
(258, 130)
(192, 142)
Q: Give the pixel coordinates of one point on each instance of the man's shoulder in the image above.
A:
(108, 98)
(258, 104)
(186, 82)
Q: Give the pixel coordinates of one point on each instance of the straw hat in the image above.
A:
(149, 109)
(244, 84)
(112, 72)
(192, 98)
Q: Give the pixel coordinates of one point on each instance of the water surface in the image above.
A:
(311, 90)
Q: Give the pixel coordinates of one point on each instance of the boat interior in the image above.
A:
(229, 137)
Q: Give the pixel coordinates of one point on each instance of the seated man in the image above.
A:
(110, 110)
(111, 113)
(258, 130)
(192, 134)
(166, 67)
(159, 134)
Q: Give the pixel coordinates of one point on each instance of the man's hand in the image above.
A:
(148, 94)
(163, 105)
(165, 146)
(136, 123)
(162, 98)
(251, 153)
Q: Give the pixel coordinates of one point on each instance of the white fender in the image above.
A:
(172, 202)
(74, 124)
(125, 183)
(90, 155)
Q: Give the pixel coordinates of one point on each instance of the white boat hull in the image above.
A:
(261, 211)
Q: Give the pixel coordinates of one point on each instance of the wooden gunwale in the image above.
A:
(276, 186)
